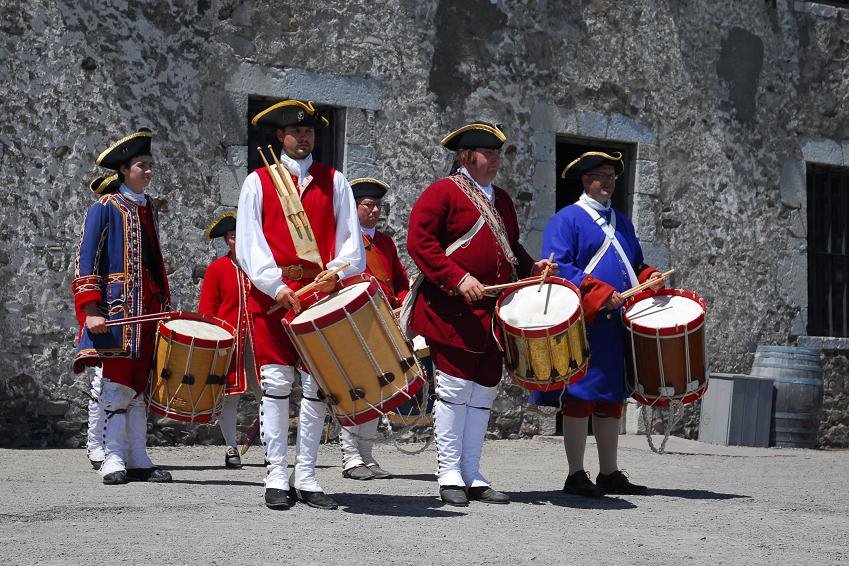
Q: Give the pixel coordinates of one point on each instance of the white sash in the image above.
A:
(609, 229)
(407, 305)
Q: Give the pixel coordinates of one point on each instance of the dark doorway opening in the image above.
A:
(329, 146)
(568, 190)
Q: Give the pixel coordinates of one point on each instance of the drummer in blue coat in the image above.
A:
(602, 267)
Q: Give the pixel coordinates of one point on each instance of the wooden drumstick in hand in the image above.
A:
(311, 286)
(545, 272)
(645, 285)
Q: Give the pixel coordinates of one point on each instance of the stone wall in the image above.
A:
(724, 102)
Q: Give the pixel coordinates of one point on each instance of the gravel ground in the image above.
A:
(707, 504)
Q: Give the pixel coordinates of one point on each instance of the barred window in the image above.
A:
(828, 250)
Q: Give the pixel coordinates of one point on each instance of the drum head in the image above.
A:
(528, 308)
(332, 303)
(197, 329)
(664, 311)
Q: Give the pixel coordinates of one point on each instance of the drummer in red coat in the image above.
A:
(280, 256)
(463, 235)
(224, 294)
(382, 263)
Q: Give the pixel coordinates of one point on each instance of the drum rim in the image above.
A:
(335, 316)
(180, 338)
(538, 332)
(663, 401)
(668, 331)
(413, 386)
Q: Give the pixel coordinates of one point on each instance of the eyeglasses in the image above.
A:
(603, 177)
(370, 205)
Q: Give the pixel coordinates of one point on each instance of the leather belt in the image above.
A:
(298, 272)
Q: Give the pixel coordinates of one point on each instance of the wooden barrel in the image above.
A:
(797, 375)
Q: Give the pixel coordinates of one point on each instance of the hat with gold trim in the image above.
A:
(477, 135)
(105, 184)
(125, 149)
(291, 113)
(226, 222)
(590, 160)
(368, 187)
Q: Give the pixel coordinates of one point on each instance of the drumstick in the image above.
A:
(646, 284)
(307, 288)
(150, 317)
(545, 274)
(489, 288)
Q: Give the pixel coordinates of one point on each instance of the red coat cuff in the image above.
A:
(594, 293)
(644, 272)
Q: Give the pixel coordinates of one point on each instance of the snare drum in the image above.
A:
(351, 344)
(192, 361)
(544, 335)
(665, 346)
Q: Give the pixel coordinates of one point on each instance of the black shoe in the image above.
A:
(454, 495)
(96, 464)
(115, 478)
(379, 473)
(579, 484)
(317, 499)
(486, 494)
(360, 472)
(153, 475)
(277, 499)
(232, 458)
(617, 483)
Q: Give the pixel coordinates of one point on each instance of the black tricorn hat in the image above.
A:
(105, 184)
(291, 113)
(590, 160)
(126, 148)
(475, 135)
(226, 222)
(368, 187)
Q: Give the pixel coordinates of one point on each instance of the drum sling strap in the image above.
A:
(609, 229)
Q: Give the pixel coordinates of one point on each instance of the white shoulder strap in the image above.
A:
(610, 239)
(410, 299)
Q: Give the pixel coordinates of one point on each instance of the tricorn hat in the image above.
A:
(125, 149)
(291, 113)
(105, 184)
(226, 222)
(590, 160)
(475, 135)
(368, 187)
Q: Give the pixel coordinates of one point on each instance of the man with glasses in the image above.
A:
(382, 263)
(463, 235)
(597, 250)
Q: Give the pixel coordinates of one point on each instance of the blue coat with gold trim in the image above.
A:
(109, 270)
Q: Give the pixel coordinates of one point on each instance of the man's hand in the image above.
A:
(287, 299)
(614, 301)
(660, 283)
(96, 324)
(329, 285)
(540, 266)
(471, 289)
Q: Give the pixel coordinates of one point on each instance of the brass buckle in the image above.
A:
(295, 272)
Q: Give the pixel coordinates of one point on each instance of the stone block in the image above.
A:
(337, 90)
(823, 342)
(592, 125)
(544, 117)
(53, 408)
(230, 179)
(237, 155)
(648, 180)
(360, 161)
(792, 183)
(544, 180)
(644, 215)
(656, 255)
(566, 121)
(545, 146)
(845, 153)
(648, 152)
(623, 128)
(792, 277)
(533, 242)
(358, 126)
(824, 151)
(799, 324)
